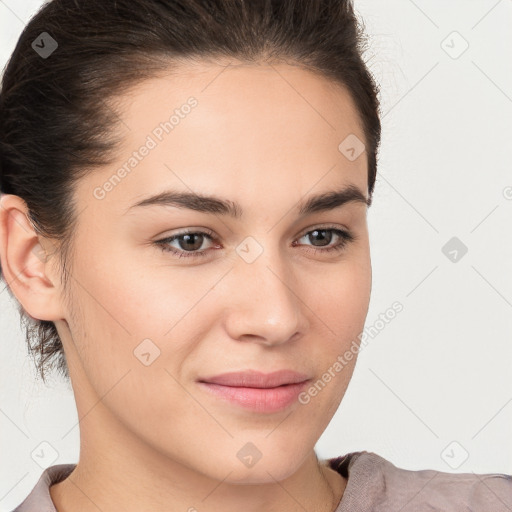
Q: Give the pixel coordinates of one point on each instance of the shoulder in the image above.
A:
(39, 499)
(377, 484)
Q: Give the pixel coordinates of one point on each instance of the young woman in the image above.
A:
(183, 223)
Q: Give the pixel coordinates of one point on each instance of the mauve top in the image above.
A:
(374, 485)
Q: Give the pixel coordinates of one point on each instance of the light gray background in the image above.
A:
(434, 388)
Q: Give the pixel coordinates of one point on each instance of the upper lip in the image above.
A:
(257, 379)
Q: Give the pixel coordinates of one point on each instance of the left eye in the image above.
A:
(191, 241)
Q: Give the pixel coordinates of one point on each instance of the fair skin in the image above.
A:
(267, 138)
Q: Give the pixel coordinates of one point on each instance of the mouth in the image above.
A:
(257, 391)
(257, 379)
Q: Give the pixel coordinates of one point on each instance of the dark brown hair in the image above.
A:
(56, 118)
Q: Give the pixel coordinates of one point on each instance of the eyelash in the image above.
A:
(345, 236)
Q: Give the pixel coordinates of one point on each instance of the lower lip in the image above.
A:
(258, 399)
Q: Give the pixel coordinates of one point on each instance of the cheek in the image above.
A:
(340, 295)
(145, 323)
(126, 357)
(339, 307)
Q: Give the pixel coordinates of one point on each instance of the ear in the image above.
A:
(26, 264)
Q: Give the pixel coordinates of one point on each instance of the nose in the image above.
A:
(265, 304)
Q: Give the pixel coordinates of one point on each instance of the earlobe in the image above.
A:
(25, 263)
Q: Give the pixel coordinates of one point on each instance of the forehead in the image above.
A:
(242, 94)
(244, 128)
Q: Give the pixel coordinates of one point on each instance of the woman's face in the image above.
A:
(248, 292)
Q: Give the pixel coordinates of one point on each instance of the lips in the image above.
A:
(257, 379)
(256, 391)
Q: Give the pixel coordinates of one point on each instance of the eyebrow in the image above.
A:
(215, 205)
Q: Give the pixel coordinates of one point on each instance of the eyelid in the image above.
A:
(314, 227)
